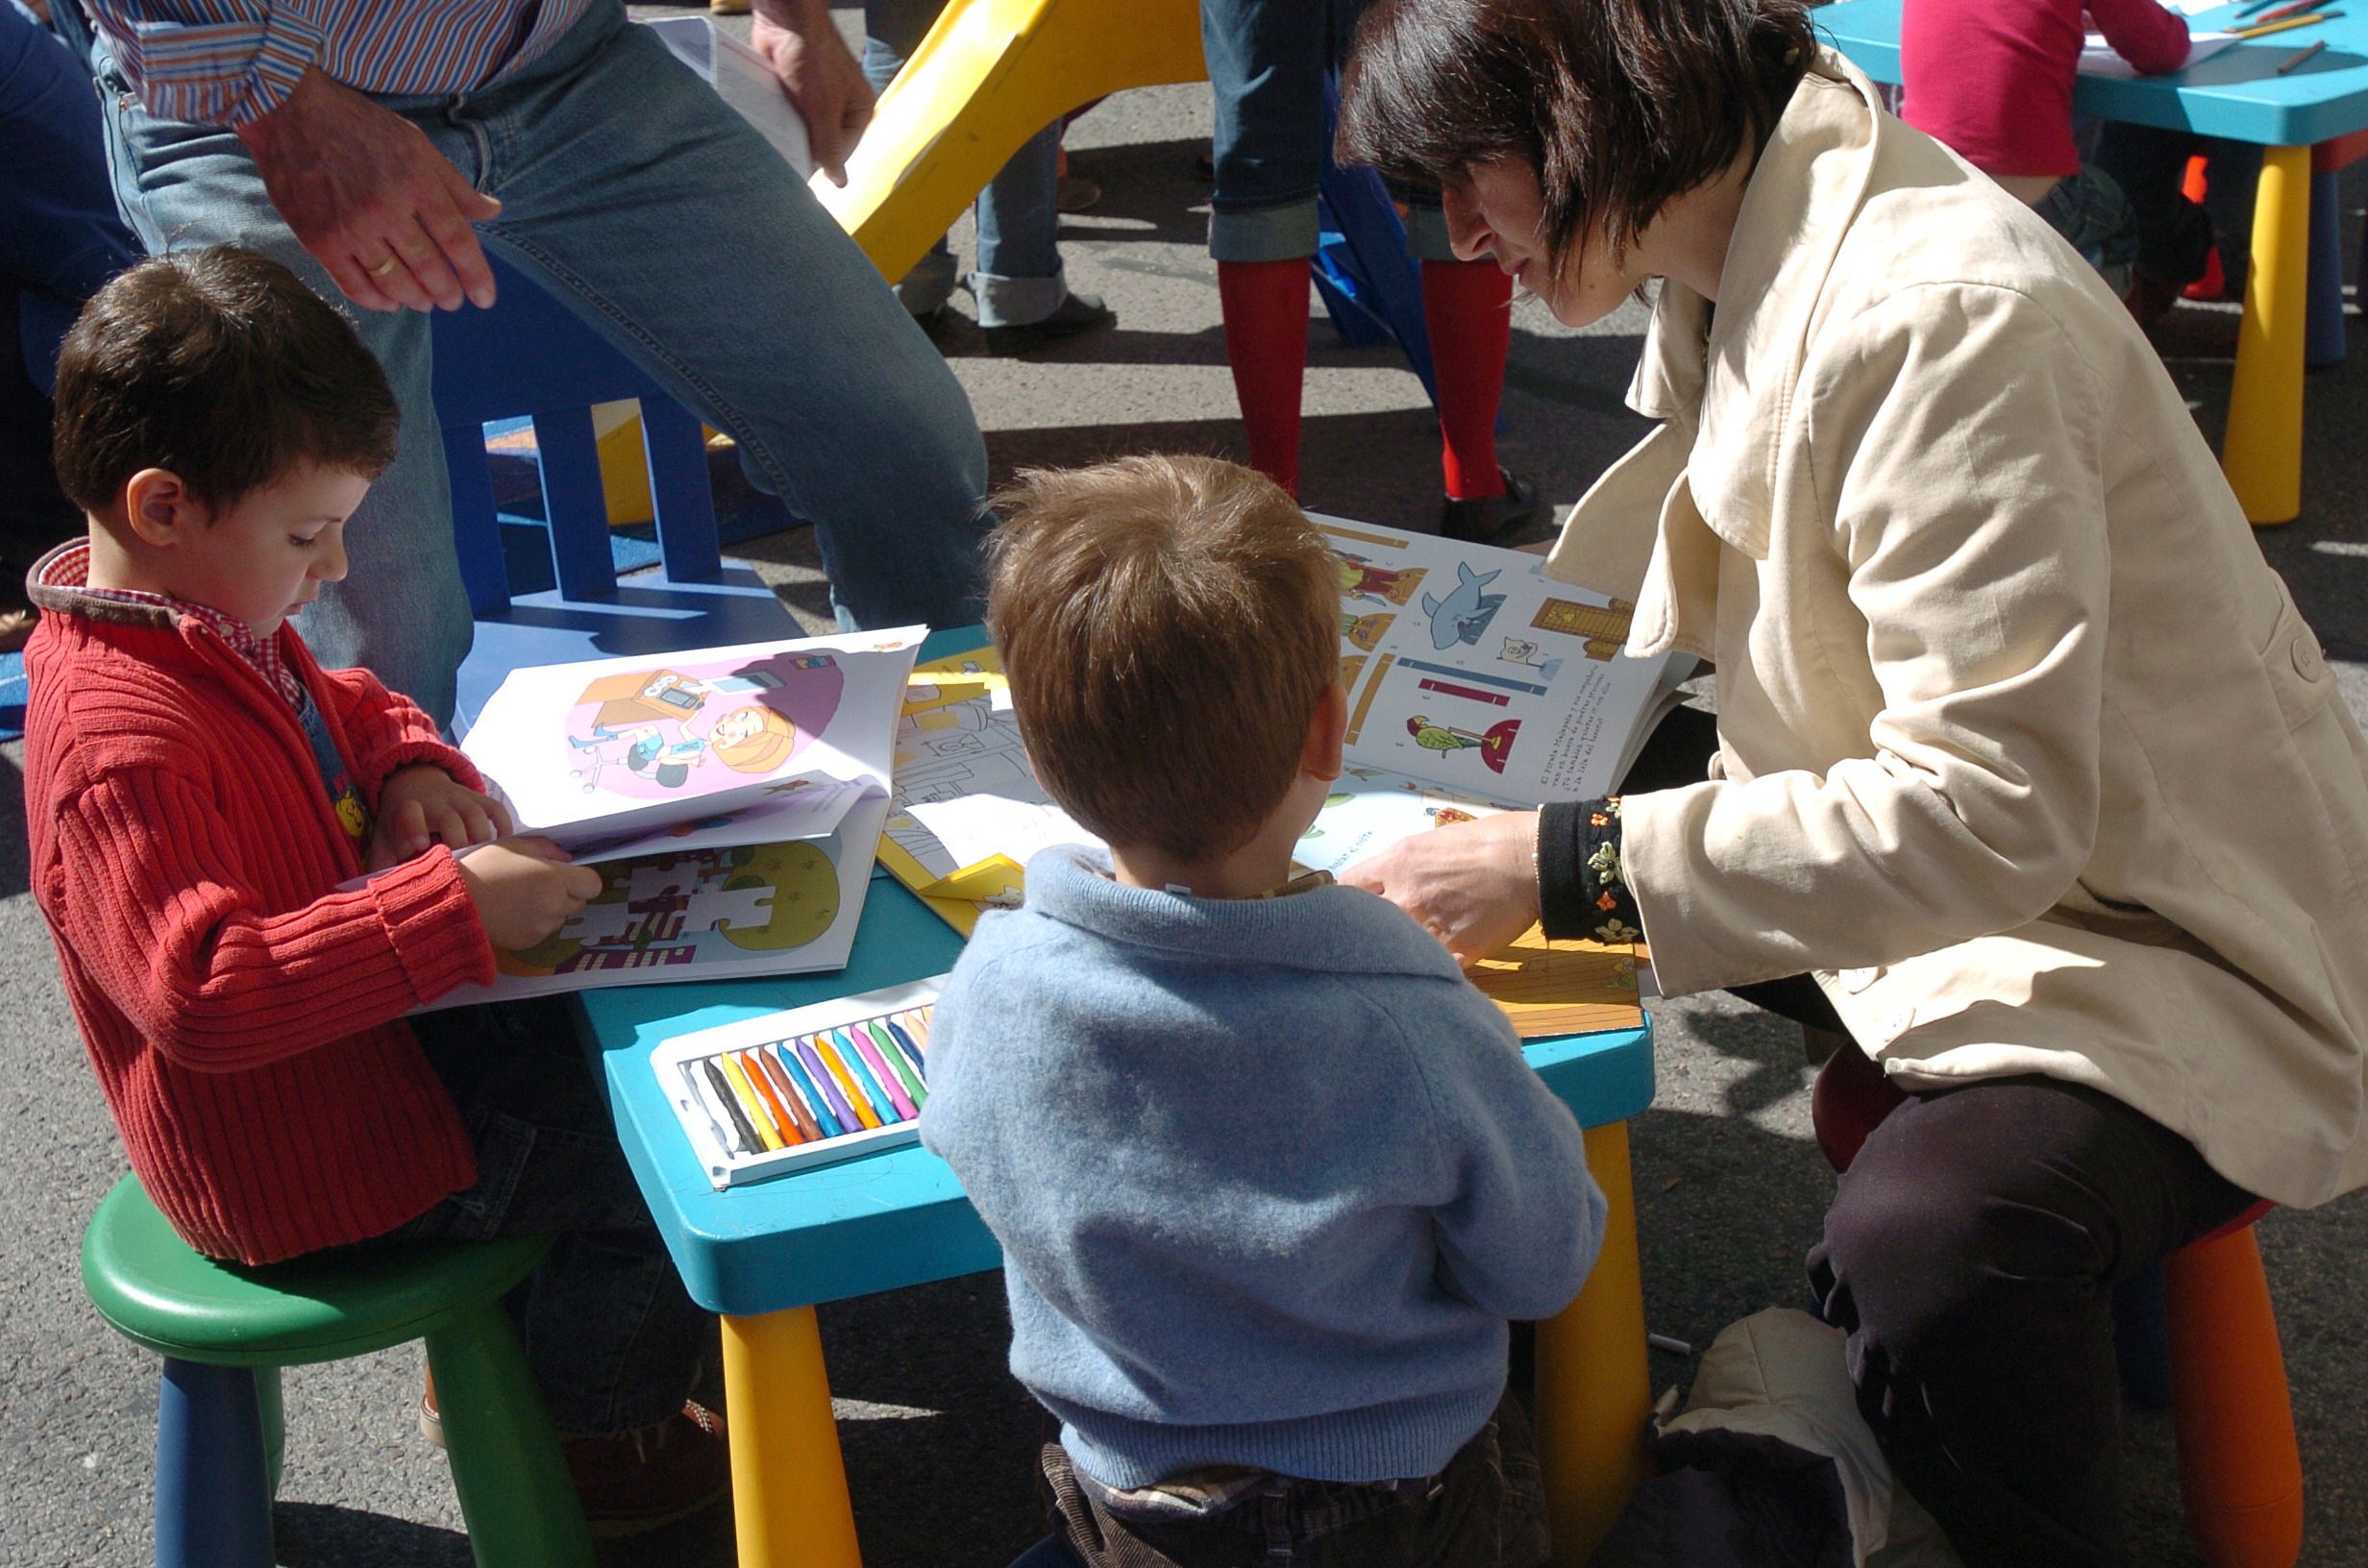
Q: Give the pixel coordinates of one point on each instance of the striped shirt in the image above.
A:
(71, 568)
(228, 61)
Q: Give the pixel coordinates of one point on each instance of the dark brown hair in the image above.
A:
(1616, 106)
(219, 365)
(1169, 626)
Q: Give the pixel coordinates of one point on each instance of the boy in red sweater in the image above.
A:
(1992, 79)
(197, 789)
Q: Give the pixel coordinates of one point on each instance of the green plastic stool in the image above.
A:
(224, 1331)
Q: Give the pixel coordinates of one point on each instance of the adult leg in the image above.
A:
(400, 611)
(1971, 1255)
(892, 29)
(677, 232)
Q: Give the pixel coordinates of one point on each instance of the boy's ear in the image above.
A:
(159, 509)
(1325, 727)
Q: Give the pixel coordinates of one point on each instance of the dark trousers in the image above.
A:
(615, 1342)
(1971, 1255)
(1487, 1509)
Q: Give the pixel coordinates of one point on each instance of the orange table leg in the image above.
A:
(2261, 451)
(788, 1484)
(1595, 1392)
(2239, 1471)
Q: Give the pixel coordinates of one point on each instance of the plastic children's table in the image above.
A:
(763, 1256)
(2239, 95)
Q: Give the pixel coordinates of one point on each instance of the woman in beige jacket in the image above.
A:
(2024, 753)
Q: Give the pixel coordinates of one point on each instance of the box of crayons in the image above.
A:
(805, 1087)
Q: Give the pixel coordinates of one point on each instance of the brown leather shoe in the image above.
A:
(642, 1479)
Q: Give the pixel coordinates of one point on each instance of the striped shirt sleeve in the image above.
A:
(212, 61)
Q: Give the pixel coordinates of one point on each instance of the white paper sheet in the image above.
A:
(2098, 59)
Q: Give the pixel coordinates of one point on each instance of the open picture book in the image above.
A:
(730, 798)
(1475, 685)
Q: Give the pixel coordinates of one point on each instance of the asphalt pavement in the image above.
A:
(939, 1440)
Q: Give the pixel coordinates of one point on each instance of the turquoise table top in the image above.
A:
(884, 1221)
(2236, 93)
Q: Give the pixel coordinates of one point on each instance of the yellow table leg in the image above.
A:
(1595, 1393)
(788, 1486)
(2262, 450)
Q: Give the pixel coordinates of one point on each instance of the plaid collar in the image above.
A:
(68, 568)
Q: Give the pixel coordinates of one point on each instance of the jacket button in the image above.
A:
(1855, 980)
(2307, 661)
(1897, 1021)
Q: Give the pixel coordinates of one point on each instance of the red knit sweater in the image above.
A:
(1992, 79)
(244, 1018)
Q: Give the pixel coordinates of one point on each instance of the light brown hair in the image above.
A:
(222, 367)
(1616, 106)
(1169, 626)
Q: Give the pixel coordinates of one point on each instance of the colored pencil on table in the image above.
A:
(2299, 55)
(2252, 6)
(2264, 29)
(2292, 7)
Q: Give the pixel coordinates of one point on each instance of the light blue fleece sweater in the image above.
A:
(1270, 1175)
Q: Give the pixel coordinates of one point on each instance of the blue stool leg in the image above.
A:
(213, 1499)
(275, 1425)
(2322, 335)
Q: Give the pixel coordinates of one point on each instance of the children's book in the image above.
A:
(1475, 684)
(730, 798)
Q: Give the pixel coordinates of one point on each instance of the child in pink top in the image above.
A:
(1992, 81)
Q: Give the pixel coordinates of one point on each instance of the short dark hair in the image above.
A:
(1616, 106)
(1169, 626)
(219, 365)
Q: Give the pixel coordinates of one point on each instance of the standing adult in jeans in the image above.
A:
(1020, 287)
(372, 145)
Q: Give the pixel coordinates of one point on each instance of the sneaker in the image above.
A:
(1479, 521)
(1078, 313)
(1076, 193)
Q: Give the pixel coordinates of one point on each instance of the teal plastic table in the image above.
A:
(2237, 95)
(763, 1256)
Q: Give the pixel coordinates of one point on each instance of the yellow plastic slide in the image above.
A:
(991, 74)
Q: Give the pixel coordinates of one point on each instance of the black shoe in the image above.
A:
(1078, 313)
(1480, 521)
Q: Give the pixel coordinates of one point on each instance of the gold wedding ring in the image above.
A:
(384, 267)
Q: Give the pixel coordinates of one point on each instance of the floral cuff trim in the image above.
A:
(1582, 883)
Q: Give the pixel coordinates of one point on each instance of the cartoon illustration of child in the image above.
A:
(753, 740)
(1361, 578)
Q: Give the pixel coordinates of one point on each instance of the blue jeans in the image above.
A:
(1267, 61)
(2090, 212)
(1020, 280)
(614, 1341)
(633, 195)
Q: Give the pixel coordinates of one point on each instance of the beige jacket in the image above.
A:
(2025, 751)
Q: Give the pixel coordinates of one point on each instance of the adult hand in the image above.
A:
(371, 198)
(799, 41)
(423, 804)
(525, 890)
(1472, 885)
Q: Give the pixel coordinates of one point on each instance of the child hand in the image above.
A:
(423, 804)
(525, 890)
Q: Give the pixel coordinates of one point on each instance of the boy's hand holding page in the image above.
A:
(423, 805)
(525, 890)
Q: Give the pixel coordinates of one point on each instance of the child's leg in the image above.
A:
(615, 1342)
(1265, 305)
(1468, 305)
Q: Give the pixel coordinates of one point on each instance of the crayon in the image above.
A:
(696, 1083)
(911, 1051)
(752, 1062)
(904, 1106)
(917, 1024)
(816, 1101)
(2297, 57)
(734, 1076)
(849, 1122)
(743, 1135)
(898, 1064)
(767, 1065)
(856, 1099)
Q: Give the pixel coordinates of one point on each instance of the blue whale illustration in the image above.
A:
(1465, 614)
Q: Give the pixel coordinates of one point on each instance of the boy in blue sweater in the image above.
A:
(1270, 1175)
